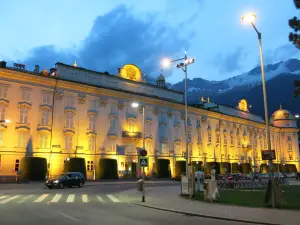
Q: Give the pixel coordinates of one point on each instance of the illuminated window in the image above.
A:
(44, 140)
(177, 149)
(23, 115)
(69, 120)
(3, 92)
(131, 126)
(92, 122)
(148, 129)
(25, 95)
(68, 142)
(92, 143)
(2, 112)
(47, 99)
(90, 166)
(1, 137)
(164, 148)
(22, 139)
(45, 117)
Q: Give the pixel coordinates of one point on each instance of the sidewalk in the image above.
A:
(167, 198)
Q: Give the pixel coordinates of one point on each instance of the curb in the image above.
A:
(204, 216)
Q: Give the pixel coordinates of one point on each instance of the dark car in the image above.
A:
(69, 179)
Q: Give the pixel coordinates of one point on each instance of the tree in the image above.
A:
(294, 23)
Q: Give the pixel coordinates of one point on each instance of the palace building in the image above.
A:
(71, 114)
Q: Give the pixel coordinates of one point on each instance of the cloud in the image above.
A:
(281, 53)
(230, 62)
(117, 38)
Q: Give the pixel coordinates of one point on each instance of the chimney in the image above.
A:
(3, 64)
(36, 69)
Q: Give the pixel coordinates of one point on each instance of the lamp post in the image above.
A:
(135, 105)
(250, 18)
(183, 66)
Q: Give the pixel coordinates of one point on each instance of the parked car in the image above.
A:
(69, 179)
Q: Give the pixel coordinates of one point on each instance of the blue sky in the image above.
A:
(103, 35)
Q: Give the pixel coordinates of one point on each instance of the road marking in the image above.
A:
(41, 198)
(100, 199)
(10, 199)
(56, 198)
(67, 216)
(4, 196)
(70, 198)
(114, 199)
(25, 198)
(85, 199)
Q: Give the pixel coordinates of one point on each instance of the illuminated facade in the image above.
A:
(93, 119)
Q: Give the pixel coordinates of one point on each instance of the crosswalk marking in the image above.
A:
(114, 199)
(70, 198)
(10, 199)
(41, 198)
(25, 198)
(56, 198)
(99, 198)
(85, 199)
(3, 196)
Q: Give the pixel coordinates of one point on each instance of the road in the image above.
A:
(96, 203)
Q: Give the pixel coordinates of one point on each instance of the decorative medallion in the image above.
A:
(59, 94)
(131, 72)
(103, 103)
(120, 106)
(81, 98)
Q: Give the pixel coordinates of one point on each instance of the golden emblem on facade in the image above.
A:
(243, 105)
(131, 72)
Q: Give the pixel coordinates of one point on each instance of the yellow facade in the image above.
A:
(89, 122)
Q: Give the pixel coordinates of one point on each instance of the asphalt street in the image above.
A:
(96, 203)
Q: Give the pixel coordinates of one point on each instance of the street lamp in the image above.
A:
(136, 105)
(250, 19)
(183, 65)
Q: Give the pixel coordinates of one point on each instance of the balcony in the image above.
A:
(46, 106)
(70, 109)
(111, 135)
(4, 101)
(69, 131)
(44, 128)
(148, 136)
(177, 140)
(132, 135)
(23, 126)
(163, 140)
(24, 105)
(112, 115)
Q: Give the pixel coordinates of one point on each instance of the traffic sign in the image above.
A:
(144, 162)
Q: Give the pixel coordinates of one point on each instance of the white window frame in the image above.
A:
(92, 143)
(22, 139)
(24, 116)
(44, 141)
(3, 92)
(164, 148)
(25, 95)
(92, 122)
(2, 112)
(68, 142)
(46, 98)
(45, 115)
(69, 120)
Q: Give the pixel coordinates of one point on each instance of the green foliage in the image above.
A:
(33, 168)
(75, 165)
(108, 169)
(294, 23)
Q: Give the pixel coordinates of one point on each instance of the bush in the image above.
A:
(33, 168)
(75, 165)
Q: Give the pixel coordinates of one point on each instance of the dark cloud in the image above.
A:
(230, 62)
(281, 53)
(115, 39)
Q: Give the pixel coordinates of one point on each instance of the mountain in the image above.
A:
(279, 83)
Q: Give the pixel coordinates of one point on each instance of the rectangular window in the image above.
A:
(44, 140)
(177, 132)
(92, 123)
(93, 104)
(2, 112)
(290, 147)
(218, 138)
(209, 137)
(3, 92)
(113, 125)
(1, 137)
(113, 108)
(90, 166)
(68, 142)
(289, 138)
(23, 115)
(225, 140)
(231, 140)
(199, 136)
(70, 102)
(45, 117)
(148, 128)
(47, 99)
(25, 95)
(92, 143)
(69, 120)
(23, 139)
(198, 123)
(164, 148)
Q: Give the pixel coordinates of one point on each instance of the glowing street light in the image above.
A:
(166, 63)
(250, 19)
(135, 104)
(297, 116)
